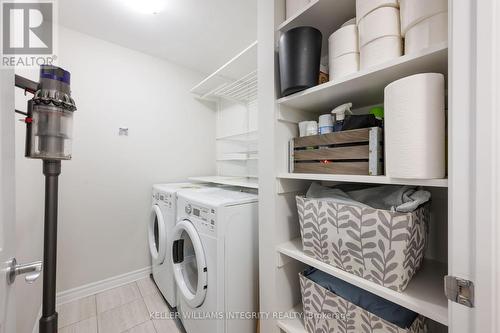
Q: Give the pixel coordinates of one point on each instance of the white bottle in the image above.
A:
(325, 124)
(339, 114)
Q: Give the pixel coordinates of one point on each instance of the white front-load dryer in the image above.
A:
(161, 223)
(215, 260)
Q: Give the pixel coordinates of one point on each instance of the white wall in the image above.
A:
(105, 189)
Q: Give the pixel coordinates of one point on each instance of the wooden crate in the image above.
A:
(355, 152)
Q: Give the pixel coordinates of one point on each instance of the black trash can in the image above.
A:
(299, 59)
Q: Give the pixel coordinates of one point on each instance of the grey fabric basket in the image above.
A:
(380, 246)
(324, 311)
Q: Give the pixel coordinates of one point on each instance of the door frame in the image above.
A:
(7, 198)
(474, 155)
(487, 173)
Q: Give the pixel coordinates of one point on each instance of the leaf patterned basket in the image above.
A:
(326, 312)
(378, 245)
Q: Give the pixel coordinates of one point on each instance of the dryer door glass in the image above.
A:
(190, 268)
(157, 235)
(157, 240)
(190, 271)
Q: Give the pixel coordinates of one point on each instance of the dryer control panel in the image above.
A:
(205, 217)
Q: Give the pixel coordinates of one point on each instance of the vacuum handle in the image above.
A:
(178, 251)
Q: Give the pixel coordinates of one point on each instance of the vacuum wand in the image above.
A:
(48, 322)
(49, 124)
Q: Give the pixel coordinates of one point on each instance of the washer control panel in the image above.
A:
(166, 199)
(205, 217)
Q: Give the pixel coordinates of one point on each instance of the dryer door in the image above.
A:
(157, 235)
(190, 266)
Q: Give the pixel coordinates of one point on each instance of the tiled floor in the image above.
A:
(123, 309)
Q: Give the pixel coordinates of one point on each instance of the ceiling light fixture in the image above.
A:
(146, 6)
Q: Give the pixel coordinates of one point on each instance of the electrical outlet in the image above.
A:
(123, 131)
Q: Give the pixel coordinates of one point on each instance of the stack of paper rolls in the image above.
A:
(343, 46)
(424, 23)
(379, 27)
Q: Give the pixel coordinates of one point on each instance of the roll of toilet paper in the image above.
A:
(343, 41)
(379, 23)
(295, 6)
(350, 22)
(380, 51)
(415, 127)
(431, 31)
(415, 11)
(344, 65)
(364, 7)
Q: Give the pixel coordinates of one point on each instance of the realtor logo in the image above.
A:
(27, 32)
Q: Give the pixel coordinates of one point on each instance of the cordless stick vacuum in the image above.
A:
(49, 124)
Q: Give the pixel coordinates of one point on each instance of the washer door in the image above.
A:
(157, 235)
(190, 266)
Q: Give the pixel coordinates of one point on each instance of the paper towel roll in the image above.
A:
(343, 41)
(415, 127)
(380, 51)
(364, 7)
(294, 6)
(350, 22)
(379, 23)
(344, 65)
(426, 33)
(414, 11)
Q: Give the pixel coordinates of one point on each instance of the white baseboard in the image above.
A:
(100, 286)
(97, 287)
(35, 328)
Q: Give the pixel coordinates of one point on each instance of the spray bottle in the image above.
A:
(339, 114)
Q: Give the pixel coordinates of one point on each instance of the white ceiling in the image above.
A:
(200, 34)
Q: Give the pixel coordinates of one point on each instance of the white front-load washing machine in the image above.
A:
(215, 260)
(161, 223)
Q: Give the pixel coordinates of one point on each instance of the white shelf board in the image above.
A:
(238, 67)
(366, 87)
(247, 182)
(325, 15)
(424, 294)
(295, 322)
(250, 136)
(365, 179)
(237, 159)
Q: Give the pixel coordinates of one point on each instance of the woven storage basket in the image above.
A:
(326, 312)
(378, 245)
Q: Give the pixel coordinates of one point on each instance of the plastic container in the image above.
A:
(339, 114)
(325, 124)
(299, 59)
(311, 128)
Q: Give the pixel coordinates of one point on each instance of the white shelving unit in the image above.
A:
(248, 182)
(424, 294)
(237, 75)
(293, 321)
(365, 179)
(366, 87)
(233, 88)
(281, 254)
